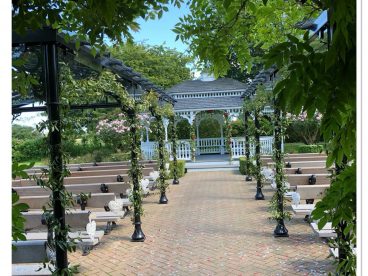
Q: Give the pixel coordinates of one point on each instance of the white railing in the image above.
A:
(182, 150)
(237, 146)
(208, 145)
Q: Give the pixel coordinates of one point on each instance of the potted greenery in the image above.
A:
(82, 199)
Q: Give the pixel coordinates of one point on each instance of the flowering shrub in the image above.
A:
(303, 128)
(113, 132)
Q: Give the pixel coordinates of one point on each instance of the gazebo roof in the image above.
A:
(198, 86)
(210, 103)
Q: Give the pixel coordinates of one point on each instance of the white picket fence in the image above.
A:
(238, 148)
(182, 150)
(208, 145)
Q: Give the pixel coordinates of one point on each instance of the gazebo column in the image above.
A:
(165, 121)
(197, 144)
(247, 146)
(147, 134)
(222, 139)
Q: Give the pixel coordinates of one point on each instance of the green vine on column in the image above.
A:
(174, 138)
(192, 142)
(228, 130)
(278, 202)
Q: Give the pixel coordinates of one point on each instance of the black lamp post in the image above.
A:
(173, 151)
(246, 146)
(259, 195)
(280, 230)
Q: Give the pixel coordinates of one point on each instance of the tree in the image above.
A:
(93, 21)
(163, 66)
(311, 78)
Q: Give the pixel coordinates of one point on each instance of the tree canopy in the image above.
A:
(313, 76)
(162, 65)
(92, 20)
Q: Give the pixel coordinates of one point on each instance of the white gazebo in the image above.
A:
(199, 99)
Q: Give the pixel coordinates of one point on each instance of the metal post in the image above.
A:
(246, 146)
(56, 168)
(163, 198)
(138, 234)
(173, 151)
(280, 230)
(259, 194)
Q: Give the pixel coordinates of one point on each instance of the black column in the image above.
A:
(173, 151)
(56, 164)
(246, 146)
(259, 195)
(138, 234)
(280, 230)
(160, 134)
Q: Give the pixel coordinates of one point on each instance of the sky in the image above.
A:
(157, 32)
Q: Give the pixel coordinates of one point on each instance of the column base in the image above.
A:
(163, 199)
(280, 230)
(138, 235)
(259, 195)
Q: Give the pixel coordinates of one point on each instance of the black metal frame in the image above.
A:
(50, 41)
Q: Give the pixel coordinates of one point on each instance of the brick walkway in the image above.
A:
(211, 226)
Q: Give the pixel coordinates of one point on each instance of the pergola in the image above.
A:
(44, 50)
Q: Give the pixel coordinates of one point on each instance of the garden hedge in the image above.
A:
(181, 169)
(310, 149)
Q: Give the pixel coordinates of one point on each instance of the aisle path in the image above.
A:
(211, 226)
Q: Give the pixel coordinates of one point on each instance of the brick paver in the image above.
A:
(211, 226)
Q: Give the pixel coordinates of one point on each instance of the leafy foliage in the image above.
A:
(163, 66)
(17, 218)
(93, 21)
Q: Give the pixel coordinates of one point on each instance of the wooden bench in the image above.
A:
(80, 180)
(311, 191)
(321, 158)
(309, 171)
(100, 172)
(81, 238)
(75, 218)
(326, 232)
(114, 187)
(76, 167)
(335, 252)
(303, 209)
(97, 200)
(303, 179)
(28, 258)
(302, 164)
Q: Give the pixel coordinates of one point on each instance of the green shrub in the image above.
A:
(181, 169)
(292, 147)
(242, 165)
(310, 149)
(33, 149)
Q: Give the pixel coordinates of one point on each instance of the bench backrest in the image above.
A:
(74, 218)
(29, 252)
(311, 191)
(302, 179)
(114, 187)
(97, 200)
(309, 171)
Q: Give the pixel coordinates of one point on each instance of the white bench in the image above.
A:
(80, 237)
(326, 232)
(303, 209)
